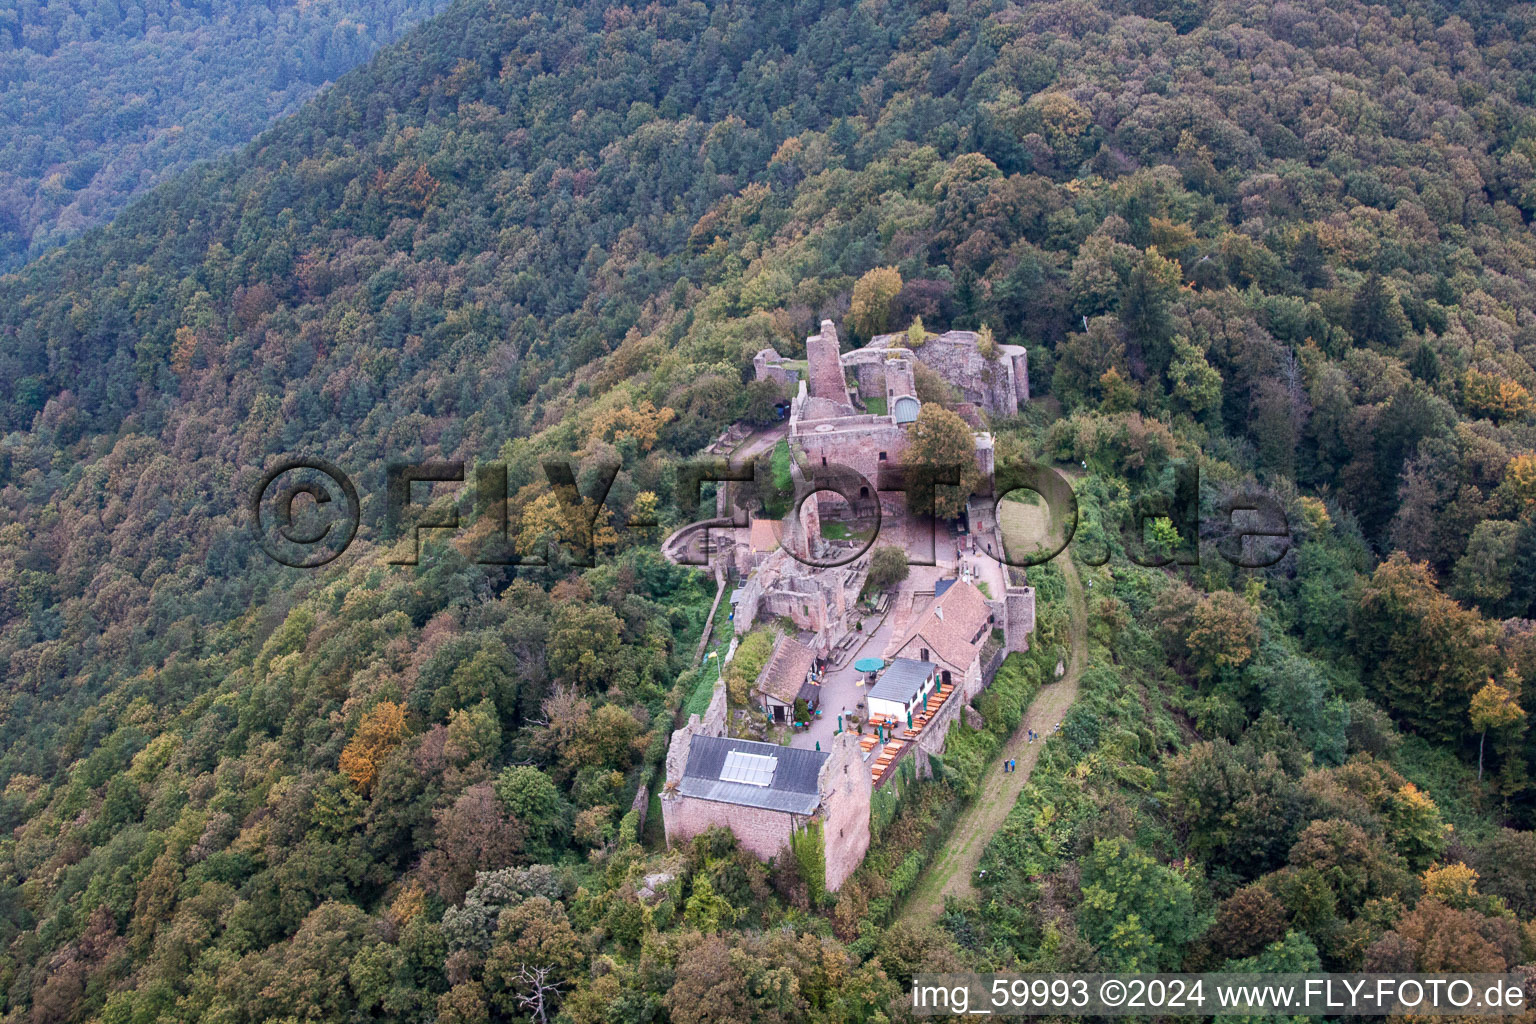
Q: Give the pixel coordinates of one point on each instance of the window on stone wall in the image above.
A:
(882, 456)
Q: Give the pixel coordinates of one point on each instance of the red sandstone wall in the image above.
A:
(846, 789)
(824, 365)
(858, 448)
(761, 832)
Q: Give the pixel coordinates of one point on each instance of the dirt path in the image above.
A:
(954, 867)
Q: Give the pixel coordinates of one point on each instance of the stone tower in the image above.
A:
(985, 460)
(825, 366)
(901, 389)
(1018, 617)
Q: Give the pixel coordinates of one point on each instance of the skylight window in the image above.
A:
(752, 769)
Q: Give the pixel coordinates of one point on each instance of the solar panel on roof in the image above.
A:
(752, 769)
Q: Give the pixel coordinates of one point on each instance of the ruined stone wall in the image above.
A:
(711, 723)
(1000, 395)
(809, 543)
(857, 446)
(985, 459)
(769, 365)
(748, 598)
(1019, 356)
(797, 404)
(824, 365)
(801, 602)
(817, 600)
(641, 805)
(900, 380)
(999, 386)
(871, 378)
(1018, 618)
(970, 680)
(845, 794)
(677, 750)
(763, 833)
(984, 382)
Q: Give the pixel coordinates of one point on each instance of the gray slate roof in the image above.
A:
(794, 787)
(902, 679)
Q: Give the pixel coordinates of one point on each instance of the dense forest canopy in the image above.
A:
(100, 101)
(1292, 241)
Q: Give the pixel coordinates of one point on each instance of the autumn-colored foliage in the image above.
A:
(1423, 654)
(1489, 394)
(869, 311)
(641, 424)
(1224, 634)
(380, 731)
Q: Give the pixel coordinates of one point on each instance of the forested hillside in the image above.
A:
(100, 101)
(1291, 241)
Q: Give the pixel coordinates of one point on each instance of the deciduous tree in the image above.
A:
(869, 312)
(1493, 707)
(1224, 635)
(1423, 655)
(380, 731)
(941, 441)
(887, 567)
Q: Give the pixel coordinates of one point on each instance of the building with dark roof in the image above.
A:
(900, 688)
(765, 793)
(753, 774)
(783, 676)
